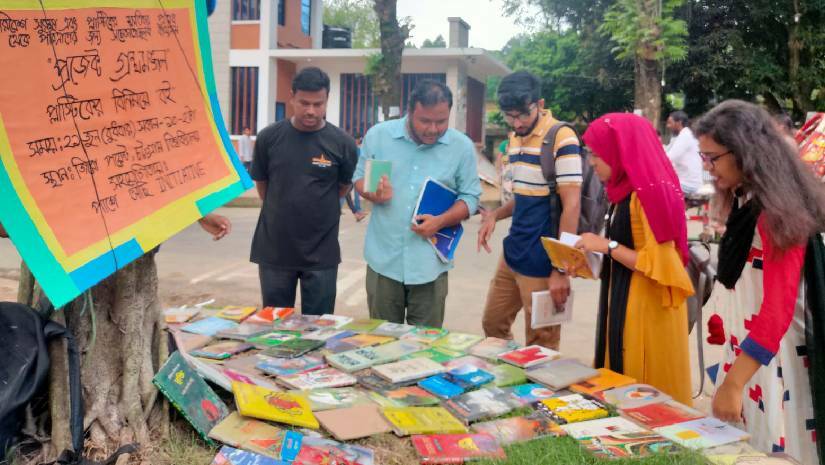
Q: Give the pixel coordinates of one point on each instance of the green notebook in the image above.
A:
(373, 172)
(190, 394)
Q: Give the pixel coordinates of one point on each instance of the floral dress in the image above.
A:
(763, 316)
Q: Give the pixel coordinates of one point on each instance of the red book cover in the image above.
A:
(662, 414)
(456, 448)
(528, 356)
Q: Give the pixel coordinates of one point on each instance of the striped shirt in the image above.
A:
(532, 216)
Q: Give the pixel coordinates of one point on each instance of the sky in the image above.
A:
(489, 29)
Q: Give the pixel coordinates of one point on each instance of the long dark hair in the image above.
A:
(791, 199)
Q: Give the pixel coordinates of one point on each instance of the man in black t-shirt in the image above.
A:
(302, 167)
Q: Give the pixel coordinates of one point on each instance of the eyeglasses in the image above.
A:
(524, 117)
(712, 158)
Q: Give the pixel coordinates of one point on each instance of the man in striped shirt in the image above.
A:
(524, 267)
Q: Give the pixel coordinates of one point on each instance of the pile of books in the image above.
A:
(305, 386)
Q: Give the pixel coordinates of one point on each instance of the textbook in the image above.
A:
(328, 452)
(408, 370)
(249, 434)
(422, 420)
(436, 354)
(545, 312)
(209, 326)
(179, 314)
(469, 377)
(295, 322)
(222, 350)
(363, 326)
(365, 357)
(572, 409)
(373, 382)
(340, 424)
(527, 394)
(435, 199)
(236, 313)
(564, 254)
(519, 429)
(334, 398)
(491, 347)
(616, 437)
(282, 407)
(480, 404)
(441, 386)
(273, 338)
(395, 330)
(425, 334)
(559, 374)
(231, 456)
(529, 356)
(456, 448)
(634, 396)
(662, 414)
(606, 379)
(331, 321)
(325, 334)
(508, 375)
(365, 340)
(318, 379)
(269, 315)
(410, 396)
(469, 360)
(702, 433)
(373, 171)
(293, 348)
(458, 341)
(289, 366)
(190, 394)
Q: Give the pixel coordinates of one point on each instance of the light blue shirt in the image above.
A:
(391, 248)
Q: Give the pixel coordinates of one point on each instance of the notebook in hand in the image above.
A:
(435, 199)
(374, 170)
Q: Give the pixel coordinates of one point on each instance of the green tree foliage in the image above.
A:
(438, 42)
(359, 16)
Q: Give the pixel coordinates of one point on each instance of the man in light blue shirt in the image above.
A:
(406, 281)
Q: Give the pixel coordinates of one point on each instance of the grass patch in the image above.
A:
(182, 447)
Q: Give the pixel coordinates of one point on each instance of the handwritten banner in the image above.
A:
(111, 138)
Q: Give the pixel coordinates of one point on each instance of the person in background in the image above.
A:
(683, 152)
(773, 205)
(642, 325)
(245, 149)
(352, 199)
(524, 267)
(302, 166)
(406, 281)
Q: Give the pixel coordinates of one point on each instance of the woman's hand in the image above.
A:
(727, 403)
(590, 242)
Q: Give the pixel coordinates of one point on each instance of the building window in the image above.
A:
(244, 105)
(282, 12)
(246, 10)
(359, 108)
(280, 111)
(306, 15)
(408, 82)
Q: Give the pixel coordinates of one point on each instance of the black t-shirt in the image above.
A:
(298, 225)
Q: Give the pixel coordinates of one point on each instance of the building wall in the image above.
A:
(219, 38)
(283, 91)
(475, 110)
(290, 34)
(246, 35)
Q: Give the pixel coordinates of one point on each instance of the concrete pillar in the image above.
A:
(316, 27)
(457, 82)
(269, 24)
(220, 24)
(459, 33)
(267, 90)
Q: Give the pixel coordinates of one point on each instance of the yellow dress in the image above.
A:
(655, 331)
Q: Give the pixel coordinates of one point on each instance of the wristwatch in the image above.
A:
(611, 246)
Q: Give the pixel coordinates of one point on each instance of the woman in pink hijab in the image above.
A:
(642, 327)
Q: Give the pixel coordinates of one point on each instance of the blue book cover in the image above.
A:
(232, 456)
(470, 377)
(435, 199)
(440, 386)
(209, 326)
(526, 394)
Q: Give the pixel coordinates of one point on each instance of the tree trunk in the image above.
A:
(387, 77)
(648, 90)
(800, 91)
(118, 329)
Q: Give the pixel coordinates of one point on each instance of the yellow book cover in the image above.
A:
(563, 254)
(574, 408)
(236, 313)
(283, 407)
(249, 434)
(607, 379)
(423, 420)
(367, 340)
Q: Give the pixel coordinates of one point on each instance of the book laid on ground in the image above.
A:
(209, 326)
(616, 437)
(606, 379)
(190, 394)
(289, 366)
(373, 171)
(545, 313)
(231, 456)
(293, 348)
(469, 360)
(441, 386)
(295, 322)
(456, 448)
(529, 356)
(490, 348)
(559, 374)
(236, 313)
(527, 394)
(355, 422)
(331, 321)
(318, 379)
(436, 354)
(422, 420)
(572, 408)
(334, 398)
(364, 326)
(634, 396)
(395, 330)
(273, 338)
(365, 357)
(469, 377)
(564, 254)
(480, 405)
(435, 199)
(408, 370)
(324, 334)
(459, 342)
(508, 375)
(221, 350)
(364, 340)
(373, 382)
(186, 342)
(410, 396)
(662, 414)
(249, 434)
(519, 429)
(334, 453)
(244, 331)
(425, 334)
(265, 404)
(269, 315)
(702, 433)
(179, 314)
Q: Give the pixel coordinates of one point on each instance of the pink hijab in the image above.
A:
(631, 147)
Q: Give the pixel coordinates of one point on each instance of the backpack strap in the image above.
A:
(548, 155)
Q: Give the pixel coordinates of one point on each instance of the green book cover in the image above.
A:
(363, 326)
(293, 348)
(436, 354)
(373, 172)
(508, 375)
(190, 394)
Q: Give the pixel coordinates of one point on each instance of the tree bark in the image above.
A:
(800, 90)
(648, 89)
(387, 78)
